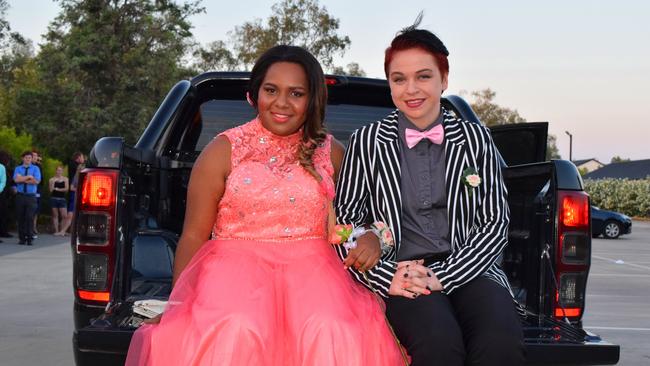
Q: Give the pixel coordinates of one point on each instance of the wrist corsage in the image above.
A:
(347, 235)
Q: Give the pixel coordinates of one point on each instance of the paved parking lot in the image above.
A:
(36, 299)
(618, 293)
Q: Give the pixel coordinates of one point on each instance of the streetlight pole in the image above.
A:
(570, 145)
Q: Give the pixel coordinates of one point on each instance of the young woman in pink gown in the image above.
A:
(267, 289)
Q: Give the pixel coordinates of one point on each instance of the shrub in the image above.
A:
(631, 197)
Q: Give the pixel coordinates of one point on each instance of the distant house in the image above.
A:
(636, 169)
(588, 165)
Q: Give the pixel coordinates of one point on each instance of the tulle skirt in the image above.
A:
(242, 302)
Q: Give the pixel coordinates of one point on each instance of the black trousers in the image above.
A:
(4, 210)
(25, 210)
(477, 324)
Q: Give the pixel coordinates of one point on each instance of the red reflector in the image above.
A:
(97, 190)
(94, 296)
(567, 311)
(575, 211)
(331, 81)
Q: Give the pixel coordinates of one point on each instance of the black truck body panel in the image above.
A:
(153, 180)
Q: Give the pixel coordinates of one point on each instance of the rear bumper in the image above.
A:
(100, 347)
(552, 342)
(600, 353)
(109, 347)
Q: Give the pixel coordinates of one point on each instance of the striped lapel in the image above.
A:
(387, 170)
(456, 162)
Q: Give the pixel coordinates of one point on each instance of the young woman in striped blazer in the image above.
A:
(436, 181)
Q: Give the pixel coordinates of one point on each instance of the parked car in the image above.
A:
(609, 224)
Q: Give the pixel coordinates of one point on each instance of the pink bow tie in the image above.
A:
(434, 135)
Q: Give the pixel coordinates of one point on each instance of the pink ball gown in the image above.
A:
(268, 289)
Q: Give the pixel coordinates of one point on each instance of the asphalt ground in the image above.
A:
(618, 293)
(36, 298)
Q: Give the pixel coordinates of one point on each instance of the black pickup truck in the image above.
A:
(131, 207)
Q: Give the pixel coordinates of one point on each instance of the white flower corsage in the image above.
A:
(347, 235)
(471, 179)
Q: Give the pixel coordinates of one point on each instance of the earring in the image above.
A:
(248, 98)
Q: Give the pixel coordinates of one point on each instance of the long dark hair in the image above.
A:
(314, 132)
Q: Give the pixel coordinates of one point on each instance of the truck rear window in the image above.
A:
(340, 119)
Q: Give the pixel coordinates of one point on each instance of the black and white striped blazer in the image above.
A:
(368, 190)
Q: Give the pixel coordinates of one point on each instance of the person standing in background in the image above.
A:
(36, 161)
(77, 158)
(26, 176)
(5, 195)
(59, 186)
(3, 183)
(65, 224)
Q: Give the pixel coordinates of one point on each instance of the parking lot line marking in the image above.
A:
(618, 275)
(626, 263)
(620, 328)
(618, 296)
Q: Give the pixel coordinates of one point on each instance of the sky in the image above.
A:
(583, 66)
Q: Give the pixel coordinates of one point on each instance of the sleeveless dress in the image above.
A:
(268, 289)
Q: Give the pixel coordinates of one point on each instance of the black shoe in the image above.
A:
(21, 243)
(29, 243)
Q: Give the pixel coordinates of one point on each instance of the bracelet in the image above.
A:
(385, 236)
(347, 235)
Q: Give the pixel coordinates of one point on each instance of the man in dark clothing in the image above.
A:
(5, 195)
(26, 176)
(77, 158)
(37, 161)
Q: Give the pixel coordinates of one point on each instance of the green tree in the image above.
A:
(491, 114)
(15, 52)
(215, 57)
(296, 22)
(353, 69)
(7, 37)
(618, 159)
(552, 152)
(103, 69)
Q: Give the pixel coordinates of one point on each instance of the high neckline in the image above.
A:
(263, 131)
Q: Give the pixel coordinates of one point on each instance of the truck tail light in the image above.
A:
(570, 295)
(574, 209)
(95, 234)
(97, 190)
(93, 228)
(573, 255)
(92, 273)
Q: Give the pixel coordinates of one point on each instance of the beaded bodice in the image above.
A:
(268, 194)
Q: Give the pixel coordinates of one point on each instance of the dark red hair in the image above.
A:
(411, 37)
